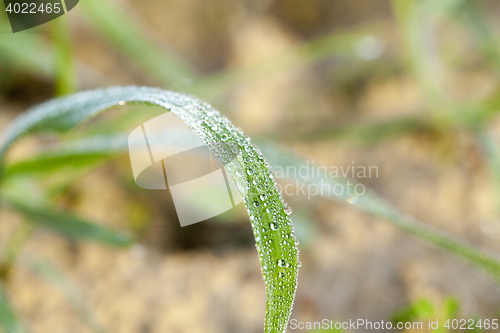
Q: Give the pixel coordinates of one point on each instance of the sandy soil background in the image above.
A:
(206, 277)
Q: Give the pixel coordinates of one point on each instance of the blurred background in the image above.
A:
(411, 87)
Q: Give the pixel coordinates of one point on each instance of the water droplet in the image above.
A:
(352, 199)
(252, 217)
(256, 203)
(239, 173)
(271, 175)
(288, 210)
(281, 274)
(299, 264)
(250, 172)
(273, 226)
(281, 263)
(263, 196)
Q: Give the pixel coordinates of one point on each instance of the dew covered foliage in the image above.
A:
(269, 214)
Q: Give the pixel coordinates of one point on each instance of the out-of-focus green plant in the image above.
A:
(425, 311)
(9, 320)
(51, 58)
(62, 115)
(269, 214)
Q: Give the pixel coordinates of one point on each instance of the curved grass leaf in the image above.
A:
(8, 318)
(278, 156)
(273, 230)
(371, 204)
(68, 225)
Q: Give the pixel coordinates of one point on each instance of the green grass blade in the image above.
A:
(273, 230)
(9, 321)
(26, 51)
(53, 162)
(470, 115)
(491, 149)
(83, 153)
(415, 27)
(376, 206)
(72, 154)
(15, 243)
(131, 39)
(371, 132)
(66, 80)
(478, 24)
(54, 276)
(69, 225)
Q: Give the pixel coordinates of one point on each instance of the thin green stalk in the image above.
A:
(13, 248)
(488, 42)
(416, 32)
(467, 115)
(491, 148)
(26, 52)
(66, 80)
(9, 321)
